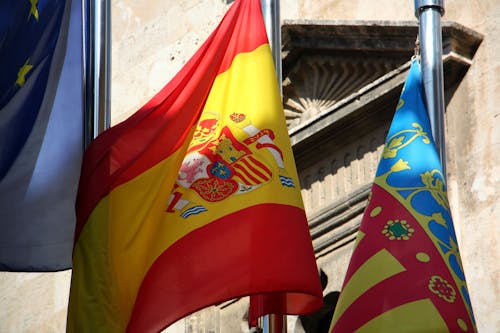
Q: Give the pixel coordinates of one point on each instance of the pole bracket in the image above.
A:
(421, 5)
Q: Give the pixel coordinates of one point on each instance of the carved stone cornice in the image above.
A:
(344, 76)
(342, 216)
(342, 81)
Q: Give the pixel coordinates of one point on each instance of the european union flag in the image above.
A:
(405, 274)
(41, 132)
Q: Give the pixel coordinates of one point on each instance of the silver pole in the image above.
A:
(273, 323)
(429, 13)
(96, 76)
(271, 14)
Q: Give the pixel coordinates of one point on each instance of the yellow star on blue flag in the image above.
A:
(26, 52)
(41, 131)
(21, 75)
(34, 9)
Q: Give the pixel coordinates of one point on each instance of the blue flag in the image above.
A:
(41, 132)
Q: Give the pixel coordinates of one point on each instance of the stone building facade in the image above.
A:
(344, 63)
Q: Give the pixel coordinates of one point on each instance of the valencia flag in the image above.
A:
(194, 199)
(405, 274)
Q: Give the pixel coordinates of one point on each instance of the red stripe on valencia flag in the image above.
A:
(139, 264)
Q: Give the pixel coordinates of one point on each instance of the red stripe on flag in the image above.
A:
(242, 175)
(393, 292)
(244, 169)
(247, 169)
(263, 167)
(361, 311)
(396, 290)
(232, 257)
(161, 126)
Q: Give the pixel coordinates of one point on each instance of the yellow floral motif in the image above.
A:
(398, 230)
(442, 288)
(420, 132)
(390, 149)
(436, 186)
(401, 102)
(397, 141)
(400, 165)
(447, 244)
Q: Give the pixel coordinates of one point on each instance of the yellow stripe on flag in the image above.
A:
(366, 277)
(122, 228)
(412, 317)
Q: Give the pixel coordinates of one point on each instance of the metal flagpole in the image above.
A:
(96, 72)
(271, 14)
(429, 13)
(273, 323)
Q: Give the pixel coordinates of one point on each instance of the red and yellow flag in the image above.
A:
(194, 199)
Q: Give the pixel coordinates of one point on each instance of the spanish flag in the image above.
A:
(194, 199)
(405, 274)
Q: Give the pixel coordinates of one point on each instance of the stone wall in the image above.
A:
(151, 41)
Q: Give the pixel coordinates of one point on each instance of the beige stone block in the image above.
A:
(34, 302)
(150, 43)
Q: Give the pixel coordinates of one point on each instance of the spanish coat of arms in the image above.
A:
(217, 166)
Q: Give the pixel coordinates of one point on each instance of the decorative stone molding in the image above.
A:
(326, 63)
(341, 172)
(342, 81)
(317, 82)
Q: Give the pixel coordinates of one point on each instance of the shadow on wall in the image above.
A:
(319, 321)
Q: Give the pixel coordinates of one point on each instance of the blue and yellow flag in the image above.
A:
(41, 132)
(405, 274)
